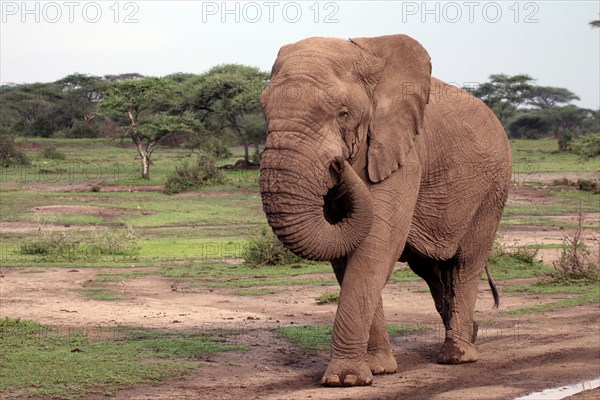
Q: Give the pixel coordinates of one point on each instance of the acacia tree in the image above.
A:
(546, 97)
(227, 96)
(504, 94)
(149, 110)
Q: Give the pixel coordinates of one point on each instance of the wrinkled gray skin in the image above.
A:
(369, 160)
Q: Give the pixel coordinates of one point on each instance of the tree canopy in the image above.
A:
(149, 111)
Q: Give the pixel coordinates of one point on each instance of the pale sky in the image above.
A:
(42, 41)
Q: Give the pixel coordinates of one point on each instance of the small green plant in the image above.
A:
(577, 264)
(52, 153)
(328, 297)
(263, 248)
(195, 172)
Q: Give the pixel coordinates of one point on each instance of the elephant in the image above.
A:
(370, 160)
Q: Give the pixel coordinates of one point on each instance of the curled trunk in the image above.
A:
(293, 190)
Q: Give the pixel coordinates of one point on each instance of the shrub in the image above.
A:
(587, 146)
(52, 153)
(577, 264)
(195, 172)
(216, 148)
(263, 248)
(9, 153)
(588, 185)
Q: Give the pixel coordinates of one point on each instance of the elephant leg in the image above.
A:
(360, 312)
(461, 329)
(441, 279)
(468, 265)
(379, 355)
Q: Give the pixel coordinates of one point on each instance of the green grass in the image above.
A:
(312, 338)
(101, 294)
(39, 360)
(328, 297)
(546, 289)
(219, 274)
(592, 296)
(404, 275)
(512, 266)
(532, 156)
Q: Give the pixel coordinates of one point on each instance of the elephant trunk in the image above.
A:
(294, 193)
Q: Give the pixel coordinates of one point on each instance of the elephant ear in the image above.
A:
(401, 70)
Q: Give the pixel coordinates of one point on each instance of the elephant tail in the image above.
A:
(492, 287)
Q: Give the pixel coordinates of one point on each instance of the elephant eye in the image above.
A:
(343, 114)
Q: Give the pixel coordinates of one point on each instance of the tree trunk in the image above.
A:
(145, 166)
(144, 156)
(246, 153)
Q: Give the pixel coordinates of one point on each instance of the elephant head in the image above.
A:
(337, 111)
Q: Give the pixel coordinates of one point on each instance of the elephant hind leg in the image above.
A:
(454, 296)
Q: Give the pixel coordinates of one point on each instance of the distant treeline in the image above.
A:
(221, 108)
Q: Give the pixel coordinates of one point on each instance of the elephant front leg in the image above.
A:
(358, 310)
(379, 354)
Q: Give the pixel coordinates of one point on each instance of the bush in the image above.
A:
(588, 185)
(577, 264)
(216, 148)
(587, 146)
(263, 248)
(10, 154)
(52, 153)
(195, 172)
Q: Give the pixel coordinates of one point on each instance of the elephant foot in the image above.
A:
(382, 362)
(457, 351)
(347, 372)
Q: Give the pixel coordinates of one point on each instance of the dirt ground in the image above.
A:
(518, 355)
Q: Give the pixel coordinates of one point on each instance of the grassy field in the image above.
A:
(62, 213)
(532, 156)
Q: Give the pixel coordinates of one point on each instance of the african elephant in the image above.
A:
(370, 160)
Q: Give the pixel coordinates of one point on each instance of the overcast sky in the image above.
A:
(552, 41)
